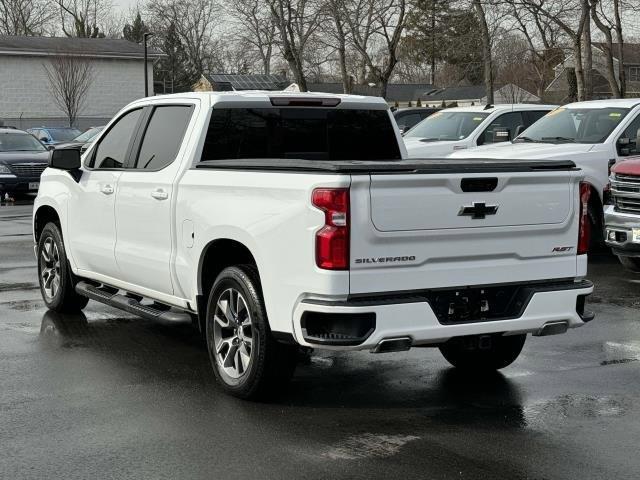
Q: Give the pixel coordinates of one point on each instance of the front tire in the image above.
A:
(630, 263)
(56, 281)
(483, 353)
(247, 362)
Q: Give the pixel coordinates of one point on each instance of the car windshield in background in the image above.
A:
(574, 125)
(301, 133)
(447, 126)
(19, 142)
(88, 135)
(63, 134)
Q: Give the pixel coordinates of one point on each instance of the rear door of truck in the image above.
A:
(463, 224)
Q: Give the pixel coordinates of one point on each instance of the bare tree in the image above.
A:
(192, 22)
(384, 19)
(570, 16)
(543, 38)
(485, 36)
(70, 77)
(25, 17)
(84, 18)
(258, 28)
(296, 21)
(336, 26)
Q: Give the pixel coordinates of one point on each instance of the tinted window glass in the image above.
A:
(307, 133)
(507, 121)
(112, 149)
(532, 116)
(631, 133)
(407, 121)
(163, 136)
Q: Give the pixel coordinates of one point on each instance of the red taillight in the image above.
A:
(332, 240)
(584, 232)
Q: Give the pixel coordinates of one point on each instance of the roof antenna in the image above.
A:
(487, 106)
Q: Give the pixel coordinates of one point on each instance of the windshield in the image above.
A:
(63, 134)
(88, 135)
(447, 126)
(19, 142)
(574, 125)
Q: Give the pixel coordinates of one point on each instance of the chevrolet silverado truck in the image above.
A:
(622, 217)
(276, 221)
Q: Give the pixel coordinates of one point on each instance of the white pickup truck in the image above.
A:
(278, 220)
(593, 134)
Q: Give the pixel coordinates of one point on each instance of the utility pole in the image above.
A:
(146, 73)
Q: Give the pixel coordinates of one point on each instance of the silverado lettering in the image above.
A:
(385, 259)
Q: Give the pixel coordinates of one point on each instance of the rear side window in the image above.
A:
(163, 136)
(306, 133)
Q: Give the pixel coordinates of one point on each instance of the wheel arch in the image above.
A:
(217, 255)
(43, 215)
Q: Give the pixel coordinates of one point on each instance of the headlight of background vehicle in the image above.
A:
(4, 169)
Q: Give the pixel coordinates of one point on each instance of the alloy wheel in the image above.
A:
(233, 333)
(50, 268)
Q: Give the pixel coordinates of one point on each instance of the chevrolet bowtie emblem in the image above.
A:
(478, 210)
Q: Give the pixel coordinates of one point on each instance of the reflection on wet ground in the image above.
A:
(105, 394)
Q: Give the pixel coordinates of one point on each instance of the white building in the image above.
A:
(25, 95)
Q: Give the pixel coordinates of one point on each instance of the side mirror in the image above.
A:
(501, 134)
(65, 159)
(43, 139)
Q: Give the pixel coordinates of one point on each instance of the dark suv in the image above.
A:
(22, 160)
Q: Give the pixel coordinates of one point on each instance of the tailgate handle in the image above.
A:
(479, 184)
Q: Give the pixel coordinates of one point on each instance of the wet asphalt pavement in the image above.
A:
(108, 395)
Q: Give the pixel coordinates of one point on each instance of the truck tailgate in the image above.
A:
(424, 230)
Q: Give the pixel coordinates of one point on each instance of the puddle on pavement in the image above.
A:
(368, 445)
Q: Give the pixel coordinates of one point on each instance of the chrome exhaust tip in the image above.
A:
(552, 328)
(398, 344)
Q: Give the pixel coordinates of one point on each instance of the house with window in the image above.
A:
(559, 87)
(26, 98)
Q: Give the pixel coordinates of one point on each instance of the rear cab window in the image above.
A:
(313, 133)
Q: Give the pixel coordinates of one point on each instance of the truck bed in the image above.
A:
(424, 166)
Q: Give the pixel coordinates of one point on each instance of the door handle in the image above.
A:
(106, 189)
(159, 194)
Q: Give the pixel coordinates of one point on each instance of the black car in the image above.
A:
(408, 117)
(82, 140)
(22, 160)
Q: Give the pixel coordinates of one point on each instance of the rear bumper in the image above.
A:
(411, 316)
(621, 225)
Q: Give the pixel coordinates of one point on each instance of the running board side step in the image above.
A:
(131, 305)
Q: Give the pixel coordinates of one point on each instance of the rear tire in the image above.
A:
(630, 263)
(467, 353)
(54, 273)
(247, 362)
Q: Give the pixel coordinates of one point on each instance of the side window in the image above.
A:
(627, 143)
(112, 150)
(163, 136)
(507, 123)
(408, 121)
(532, 116)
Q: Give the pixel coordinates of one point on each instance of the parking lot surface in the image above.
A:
(108, 395)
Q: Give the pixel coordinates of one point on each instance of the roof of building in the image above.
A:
(396, 92)
(247, 82)
(472, 92)
(91, 47)
(630, 51)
